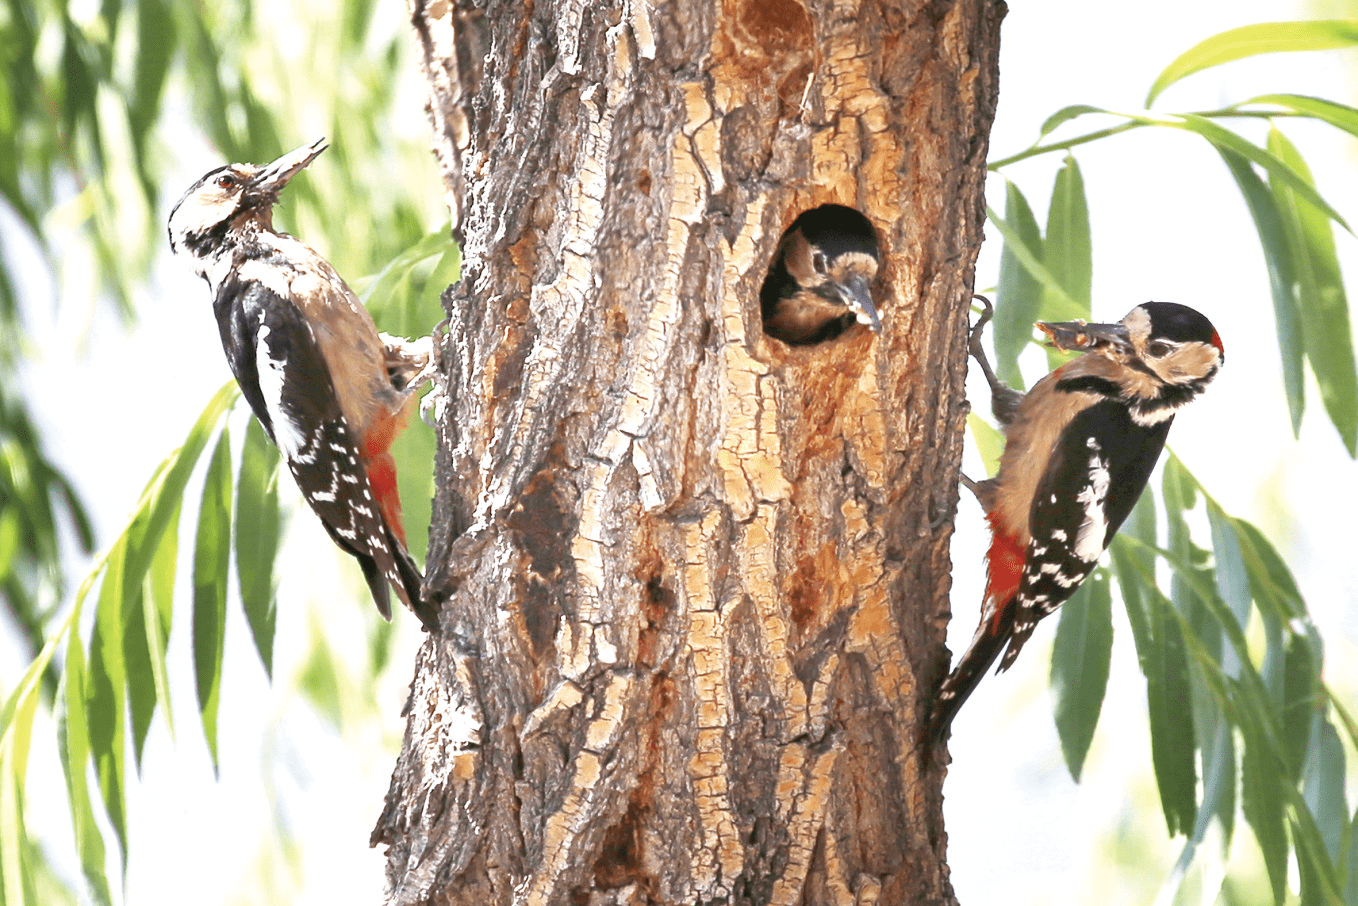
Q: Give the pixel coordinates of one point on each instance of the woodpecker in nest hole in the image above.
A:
(329, 390)
(818, 284)
(1079, 448)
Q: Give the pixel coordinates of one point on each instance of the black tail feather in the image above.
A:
(410, 588)
(377, 584)
(985, 648)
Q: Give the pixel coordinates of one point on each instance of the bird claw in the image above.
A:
(984, 490)
(413, 363)
(409, 362)
(1004, 400)
(974, 338)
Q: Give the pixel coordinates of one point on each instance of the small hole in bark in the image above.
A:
(819, 282)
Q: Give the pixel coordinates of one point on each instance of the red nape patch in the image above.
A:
(382, 479)
(1005, 560)
(1216, 341)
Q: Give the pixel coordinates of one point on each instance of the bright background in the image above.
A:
(1168, 223)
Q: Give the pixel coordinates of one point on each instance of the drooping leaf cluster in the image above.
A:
(115, 681)
(102, 102)
(1237, 726)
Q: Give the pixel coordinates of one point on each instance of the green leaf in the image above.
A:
(989, 442)
(1319, 881)
(1231, 574)
(1192, 586)
(1300, 700)
(258, 529)
(13, 870)
(449, 268)
(1126, 568)
(1161, 653)
(1250, 40)
(138, 670)
(158, 604)
(1271, 581)
(1341, 116)
(156, 42)
(105, 700)
(9, 542)
(1066, 251)
(1263, 804)
(1341, 712)
(377, 292)
(1322, 300)
(75, 752)
(414, 450)
(1020, 293)
(1218, 780)
(1173, 743)
(211, 562)
(1324, 786)
(1273, 237)
(159, 503)
(14, 747)
(1058, 303)
(1278, 169)
(1351, 863)
(1065, 115)
(1079, 672)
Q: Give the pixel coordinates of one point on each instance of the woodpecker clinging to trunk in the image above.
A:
(818, 284)
(1079, 448)
(327, 389)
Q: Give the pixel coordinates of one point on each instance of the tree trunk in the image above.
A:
(695, 580)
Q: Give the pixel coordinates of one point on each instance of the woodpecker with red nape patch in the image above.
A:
(321, 380)
(818, 284)
(1079, 448)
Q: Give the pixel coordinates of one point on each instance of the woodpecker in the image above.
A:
(818, 284)
(327, 389)
(1079, 448)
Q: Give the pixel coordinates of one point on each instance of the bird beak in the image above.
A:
(858, 298)
(275, 176)
(1077, 336)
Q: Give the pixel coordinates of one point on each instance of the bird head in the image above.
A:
(821, 277)
(230, 196)
(1172, 343)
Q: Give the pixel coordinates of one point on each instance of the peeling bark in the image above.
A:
(695, 580)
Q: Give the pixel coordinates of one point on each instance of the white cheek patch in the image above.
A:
(201, 212)
(289, 435)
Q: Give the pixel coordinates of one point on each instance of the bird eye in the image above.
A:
(1159, 350)
(225, 181)
(819, 263)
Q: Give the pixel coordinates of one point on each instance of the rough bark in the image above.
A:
(696, 580)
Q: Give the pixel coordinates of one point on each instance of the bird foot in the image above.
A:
(1004, 400)
(984, 490)
(409, 362)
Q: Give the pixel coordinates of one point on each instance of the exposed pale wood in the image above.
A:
(697, 580)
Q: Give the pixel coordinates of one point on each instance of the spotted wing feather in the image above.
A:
(284, 378)
(1071, 531)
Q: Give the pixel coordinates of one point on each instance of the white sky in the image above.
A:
(1167, 224)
